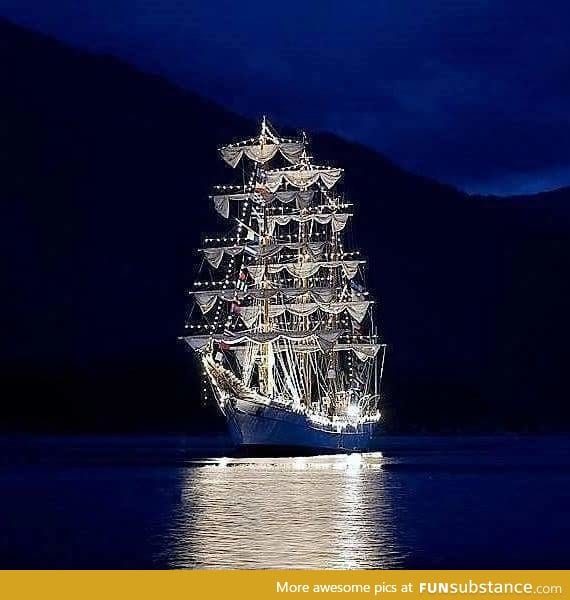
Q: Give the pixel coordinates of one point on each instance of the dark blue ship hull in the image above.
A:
(255, 425)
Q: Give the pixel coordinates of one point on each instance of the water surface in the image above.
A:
(162, 503)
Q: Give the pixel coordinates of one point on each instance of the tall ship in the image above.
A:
(282, 323)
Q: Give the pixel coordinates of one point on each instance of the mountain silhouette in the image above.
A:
(104, 179)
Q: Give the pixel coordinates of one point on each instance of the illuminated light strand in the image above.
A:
(258, 139)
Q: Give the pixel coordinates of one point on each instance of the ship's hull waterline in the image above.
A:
(256, 426)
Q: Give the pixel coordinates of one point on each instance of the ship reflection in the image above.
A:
(311, 512)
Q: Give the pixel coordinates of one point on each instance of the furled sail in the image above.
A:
(199, 342)
(337, 220)
(214, 255)
(206, 299)
(302, 199)
(262, 152)
(304, 270)
(323, 341)
(357, 310)
(364, 351)
(302, 178)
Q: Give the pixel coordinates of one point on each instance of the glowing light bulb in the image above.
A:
(353, 411)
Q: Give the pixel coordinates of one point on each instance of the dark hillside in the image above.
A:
(104, 176)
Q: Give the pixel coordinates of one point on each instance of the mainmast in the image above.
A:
(266, 379)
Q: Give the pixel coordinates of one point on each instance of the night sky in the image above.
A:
(474, 93)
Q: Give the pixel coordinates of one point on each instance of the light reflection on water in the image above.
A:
(305, 512)
(146, 503)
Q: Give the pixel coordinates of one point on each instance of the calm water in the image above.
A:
(150, 503)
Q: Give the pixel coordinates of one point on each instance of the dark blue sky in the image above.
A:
(475, 93)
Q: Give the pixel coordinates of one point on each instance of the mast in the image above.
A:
(266, 381)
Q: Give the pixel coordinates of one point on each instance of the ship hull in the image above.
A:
(259, 426)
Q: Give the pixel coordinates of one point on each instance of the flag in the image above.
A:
(263, 191)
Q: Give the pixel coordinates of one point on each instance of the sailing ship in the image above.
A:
(286, 336)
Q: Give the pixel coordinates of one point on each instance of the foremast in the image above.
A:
(289, 315)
